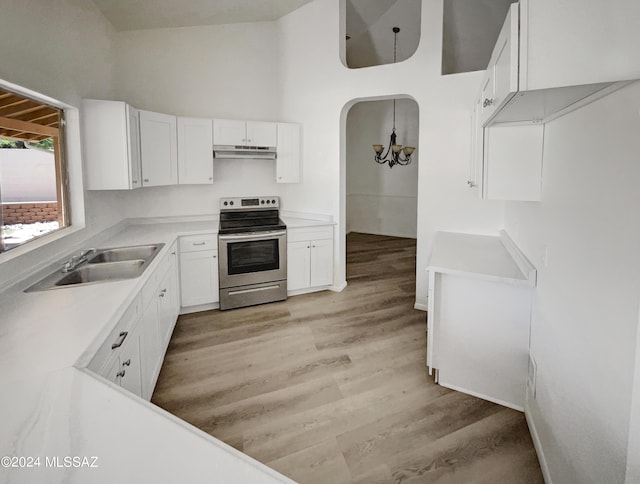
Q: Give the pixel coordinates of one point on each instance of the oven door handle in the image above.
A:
(269, 234)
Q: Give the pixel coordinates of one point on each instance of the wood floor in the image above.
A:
(332, 387)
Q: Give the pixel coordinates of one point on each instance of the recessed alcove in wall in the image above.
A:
(379, 199)
(369, 31)
(470, 29)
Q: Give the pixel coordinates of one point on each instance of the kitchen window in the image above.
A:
(33, 175)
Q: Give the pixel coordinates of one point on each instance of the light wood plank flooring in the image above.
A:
(332, 388)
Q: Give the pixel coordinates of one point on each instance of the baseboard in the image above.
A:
(480, 395)
(421, 306)
(199, 307)
(338, 287)
(307, 290)
(537, 445)
(383, 233)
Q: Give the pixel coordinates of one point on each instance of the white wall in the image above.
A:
(62, 49)
(585, 318)
(223, 71)
(318, 91)
(381, 200)
(27, 176)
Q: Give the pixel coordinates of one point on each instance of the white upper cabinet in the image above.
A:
(244, 133)
(229, 132)
(159, 152)
(261, 133)
(288, 153)
(501, 81)
(195, 151)
(549, 60)
(575, 42)
(111, 144)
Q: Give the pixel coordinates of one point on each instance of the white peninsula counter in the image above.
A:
(480, 291)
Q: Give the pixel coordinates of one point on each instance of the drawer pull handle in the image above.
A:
(199, 243)
(121, 337)
(127, 363)
(487, 102)
(120, 374)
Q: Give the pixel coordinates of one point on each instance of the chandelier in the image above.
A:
(395, 152)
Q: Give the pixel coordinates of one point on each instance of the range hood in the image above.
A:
(239, 151)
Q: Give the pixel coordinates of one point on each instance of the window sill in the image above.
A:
(39, 242)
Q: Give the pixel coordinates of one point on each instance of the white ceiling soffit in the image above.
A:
(370, 24)
(154, 14)
(362, 14)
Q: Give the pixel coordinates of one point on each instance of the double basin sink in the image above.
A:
(101, 265)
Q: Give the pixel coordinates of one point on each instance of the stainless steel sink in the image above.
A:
(144, 252)
(103, 272)
(100, 265)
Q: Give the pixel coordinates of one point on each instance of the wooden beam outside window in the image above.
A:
(26, 127)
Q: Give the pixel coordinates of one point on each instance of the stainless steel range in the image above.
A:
(252, 251)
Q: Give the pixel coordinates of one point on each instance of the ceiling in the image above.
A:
(26, 120)
(470, 27)
(155, 14)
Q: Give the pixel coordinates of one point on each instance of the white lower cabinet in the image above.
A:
(150, 352)
(309, 258)
(130, 363)
(132, 355)
(199, 270)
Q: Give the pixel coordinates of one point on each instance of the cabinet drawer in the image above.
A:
(321, 232)
(193, 243)
(126, 323)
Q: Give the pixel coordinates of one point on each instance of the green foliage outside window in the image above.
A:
(45, 144)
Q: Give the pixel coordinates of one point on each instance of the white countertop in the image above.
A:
(298, 223)
(482, 256)
(50, 408)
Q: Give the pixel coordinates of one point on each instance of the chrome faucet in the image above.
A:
(76, 260)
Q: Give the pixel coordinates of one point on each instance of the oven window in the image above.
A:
(253, 256)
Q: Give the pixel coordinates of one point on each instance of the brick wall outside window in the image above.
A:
(27, 213)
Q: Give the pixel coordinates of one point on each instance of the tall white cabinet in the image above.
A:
(288, 153)
(542, 67)
(111, 145)
(158, 149)
(195, 151)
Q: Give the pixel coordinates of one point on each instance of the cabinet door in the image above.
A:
(288, 158)
(486, 97)
(262, 133)
(130, 375)
(111, 156)
(195, 151)
(513, 162)
(298, 265)
(150, 354)
(503, 65)
(112, 371)
(199, 277)
(135, 168)
(229, 132)
(477, 149)
(158, 149)
(167, 294)
(321, 263)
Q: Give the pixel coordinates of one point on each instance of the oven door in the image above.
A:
(252, 258)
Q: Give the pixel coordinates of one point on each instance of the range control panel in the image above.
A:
(249, 203)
